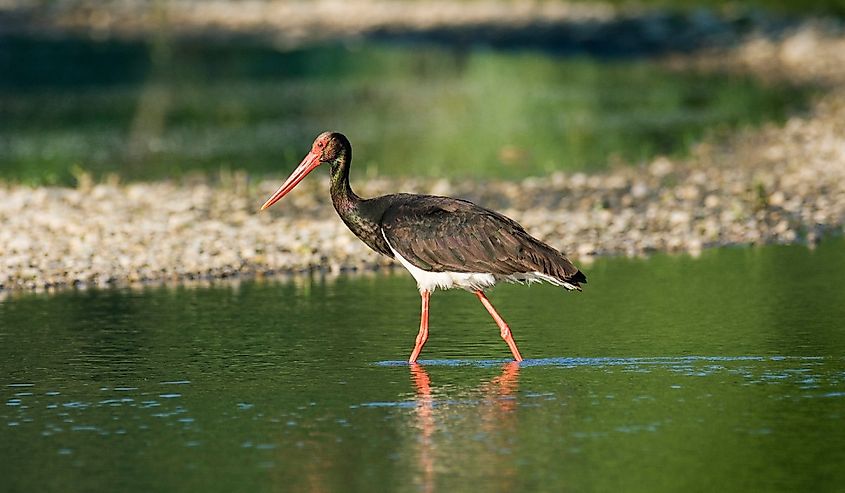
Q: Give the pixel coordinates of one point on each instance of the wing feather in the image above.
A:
(439, 234)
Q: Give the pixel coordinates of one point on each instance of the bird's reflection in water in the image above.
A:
(468, 436)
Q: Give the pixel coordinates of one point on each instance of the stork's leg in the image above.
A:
(504, 330)
(422, 336)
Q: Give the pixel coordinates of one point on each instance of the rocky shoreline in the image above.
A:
(775, 184)
(592, 28)
(106, 234)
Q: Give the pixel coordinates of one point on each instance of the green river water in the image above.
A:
(719, 373)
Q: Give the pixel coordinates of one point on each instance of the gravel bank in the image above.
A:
(591, 28)
(793, 190)
(778, 184)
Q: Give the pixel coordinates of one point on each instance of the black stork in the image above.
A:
(444, 242)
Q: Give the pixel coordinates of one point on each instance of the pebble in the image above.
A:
(775, 184)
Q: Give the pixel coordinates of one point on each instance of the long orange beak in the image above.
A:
(311, 161)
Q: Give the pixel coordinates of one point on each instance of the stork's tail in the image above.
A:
(557, 269)
(576, 280)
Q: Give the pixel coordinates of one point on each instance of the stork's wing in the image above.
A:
(440, 234)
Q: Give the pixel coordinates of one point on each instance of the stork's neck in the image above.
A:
(362, 216)
(344, 199)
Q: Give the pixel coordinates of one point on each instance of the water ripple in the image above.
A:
(571, 362)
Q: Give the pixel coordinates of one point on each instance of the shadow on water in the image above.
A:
(498, 402)
(467, 433)
(492, 402)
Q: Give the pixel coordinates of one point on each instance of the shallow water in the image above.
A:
(159, 110)
(722, 373)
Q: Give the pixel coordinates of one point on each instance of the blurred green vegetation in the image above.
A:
(156, 111)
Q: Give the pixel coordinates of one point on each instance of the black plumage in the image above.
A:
(442, 234)
(444, 242)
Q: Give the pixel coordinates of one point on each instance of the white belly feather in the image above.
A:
(471, 281)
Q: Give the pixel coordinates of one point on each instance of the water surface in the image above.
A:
(722, 373)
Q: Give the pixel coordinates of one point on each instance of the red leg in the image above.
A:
(504, 330)
(422, 336)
